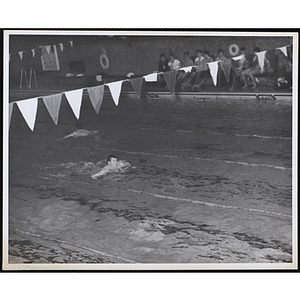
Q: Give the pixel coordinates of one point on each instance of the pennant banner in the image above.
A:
(52, 104)
(10, 107)
(28, 109)
(186, 69)
(21, 55)
(226, 66)
(71, 43)
(151, 77)
(33, 52)
(61, 46)
(48, 49)
(261, 59)
(170, 78)
(271, 57)
(137, 85)
(115, 90)
(238, 57)
(213, 67)
(75, 98)
(96, 96)
(284, 50)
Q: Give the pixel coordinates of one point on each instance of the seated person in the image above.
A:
(113, 166)
(204, 73)
(101, 78)
(195, 70)
(163, 66)
(187, 62)
(252, 70)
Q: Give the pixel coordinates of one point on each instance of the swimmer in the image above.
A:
(79, 132)
(113, 166)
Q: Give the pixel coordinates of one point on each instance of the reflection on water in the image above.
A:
(169, 208)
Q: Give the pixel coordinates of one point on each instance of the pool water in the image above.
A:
(211, 183)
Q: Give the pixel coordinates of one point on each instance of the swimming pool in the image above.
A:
(211, 183)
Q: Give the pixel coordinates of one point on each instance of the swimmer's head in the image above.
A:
(111, 158)
(78, 125)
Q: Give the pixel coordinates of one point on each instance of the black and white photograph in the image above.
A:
(150, 150)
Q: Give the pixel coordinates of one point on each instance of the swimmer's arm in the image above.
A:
(102, 172)
(95, 176)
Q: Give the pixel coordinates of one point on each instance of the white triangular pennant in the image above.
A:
(48, 49)
(10, 108)
(261, 59)
(186, 69)
(61, 46)
(28, 109)
(151, 77)
(52, 104)
(96, 96)
(213, 68)
(33, 52)
(21, 55)
(284, 50)
(238, 57)
(71, 43)
(115, 90)
(75, 98)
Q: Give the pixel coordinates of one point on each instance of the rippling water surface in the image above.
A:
(210, 183)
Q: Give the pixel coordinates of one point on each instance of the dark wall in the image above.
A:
(133, 54)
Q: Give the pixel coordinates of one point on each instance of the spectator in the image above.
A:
(101, 78)
(175, 64)
(195, 70)
(162, 67)
(187, 62)
(237, 67)
(224, 66)
(252, 70)
(204, 72)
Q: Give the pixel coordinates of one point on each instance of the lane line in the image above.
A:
(200, 158)
(221, 133)
(76, 246)
(210, 204)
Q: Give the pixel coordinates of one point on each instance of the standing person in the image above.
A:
(163, 66)
(204, 72)
(175, 64)
(237, 67)
(222, 65)
(252, 70)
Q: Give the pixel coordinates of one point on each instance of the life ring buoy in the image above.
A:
(234, 49)
(104, 61)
